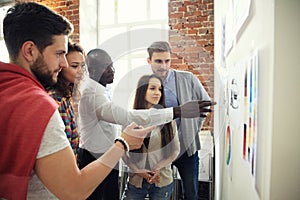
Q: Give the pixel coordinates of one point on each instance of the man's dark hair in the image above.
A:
(159, 46)
(32, 22)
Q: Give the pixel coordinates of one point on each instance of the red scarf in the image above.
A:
(25, 112)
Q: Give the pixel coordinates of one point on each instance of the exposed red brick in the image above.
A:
(192, 41)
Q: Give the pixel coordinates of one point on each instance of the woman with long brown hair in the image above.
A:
(64, 92)
(150, 166)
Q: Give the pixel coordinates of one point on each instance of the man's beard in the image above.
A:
(41, 71)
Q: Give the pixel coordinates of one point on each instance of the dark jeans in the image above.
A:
(155, 193)
(188, 170)
(109, 188)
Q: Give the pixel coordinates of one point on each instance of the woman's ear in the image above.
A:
(29, 51)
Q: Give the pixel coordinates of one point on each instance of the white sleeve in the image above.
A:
(54, 138)
(94, 106)
(110, 112)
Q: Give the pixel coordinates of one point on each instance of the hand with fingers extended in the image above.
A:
(134, 135)
(193, 109)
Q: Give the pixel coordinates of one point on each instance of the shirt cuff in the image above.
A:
(169, 114)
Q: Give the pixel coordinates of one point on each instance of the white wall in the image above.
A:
(4, 57)
(273, 29)
(285, 163)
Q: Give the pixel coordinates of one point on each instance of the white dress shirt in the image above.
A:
(95, 107)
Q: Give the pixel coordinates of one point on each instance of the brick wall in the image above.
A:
(67, 8)
(192, 39)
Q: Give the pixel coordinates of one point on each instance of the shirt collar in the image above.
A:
(169, 76)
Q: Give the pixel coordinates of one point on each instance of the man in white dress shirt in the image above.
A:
(94, 144)
(96, 109)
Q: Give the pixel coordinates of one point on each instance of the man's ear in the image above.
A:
(148, 60)
(29, 51)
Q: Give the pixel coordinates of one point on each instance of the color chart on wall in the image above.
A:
(250, 111)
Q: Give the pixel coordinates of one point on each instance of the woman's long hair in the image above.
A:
(62, 87)
(140, 103)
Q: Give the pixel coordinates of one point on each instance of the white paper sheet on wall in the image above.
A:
(205, 154)
(241, 11)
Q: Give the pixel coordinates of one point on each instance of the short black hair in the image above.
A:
(32, 22)
(97, 59)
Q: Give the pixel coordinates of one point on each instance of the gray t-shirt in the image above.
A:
(54, 140)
